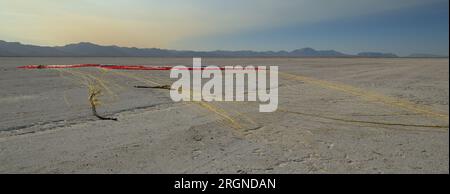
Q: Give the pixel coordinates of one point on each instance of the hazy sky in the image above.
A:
(399, 26)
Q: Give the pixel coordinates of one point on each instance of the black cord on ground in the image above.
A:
(94, 108)
(166, 87)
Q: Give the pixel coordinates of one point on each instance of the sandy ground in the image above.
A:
(334, 116)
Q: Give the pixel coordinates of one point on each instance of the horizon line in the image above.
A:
(284, 50)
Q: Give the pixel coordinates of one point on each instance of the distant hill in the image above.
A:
(422, 55)
(307, 52)
(377, 54)
(86, 49)
(18, 49)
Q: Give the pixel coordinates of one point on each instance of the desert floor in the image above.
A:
(334, 116)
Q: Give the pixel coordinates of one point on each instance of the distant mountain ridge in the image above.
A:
(86, 49)
(377, 54)
(424, 55)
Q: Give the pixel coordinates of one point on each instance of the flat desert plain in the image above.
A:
(335, 115)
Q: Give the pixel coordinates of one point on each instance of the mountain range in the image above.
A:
(86, 49)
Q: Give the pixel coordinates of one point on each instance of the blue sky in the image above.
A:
(418, 29)
(399, 26)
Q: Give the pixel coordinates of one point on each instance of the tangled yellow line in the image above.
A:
(370, 96)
